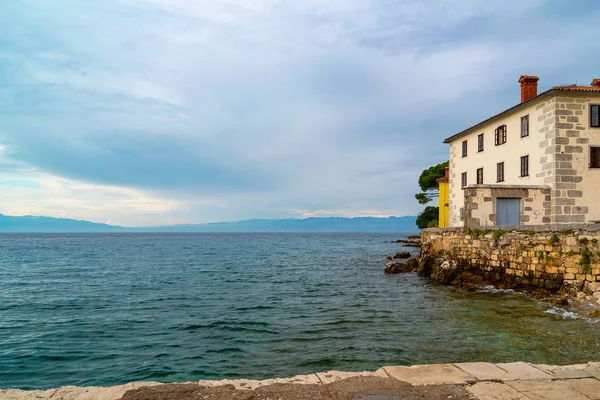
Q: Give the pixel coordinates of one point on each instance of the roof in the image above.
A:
(575, 88)
(553, 90)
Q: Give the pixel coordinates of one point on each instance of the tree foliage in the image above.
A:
(428, 218)
(428, 183)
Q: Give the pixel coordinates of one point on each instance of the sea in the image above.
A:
(107, 309)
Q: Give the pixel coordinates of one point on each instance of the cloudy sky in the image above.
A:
(151, 112)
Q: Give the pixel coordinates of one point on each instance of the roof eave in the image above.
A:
(503, 113)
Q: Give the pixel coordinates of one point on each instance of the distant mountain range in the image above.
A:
(32, 224)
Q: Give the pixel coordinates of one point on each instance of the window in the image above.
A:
(595, 116)
(480, 176)
(525, 126)
(464, 148)
(594, 157)
(500, 135)
(464, 180)
(525, 166)
(480, 143)
(500, 172)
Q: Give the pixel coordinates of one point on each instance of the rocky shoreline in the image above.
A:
(461, 381)
(445, 268)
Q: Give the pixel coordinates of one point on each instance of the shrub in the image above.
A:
(429, 215)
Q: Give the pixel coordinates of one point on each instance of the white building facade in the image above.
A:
(535, 163)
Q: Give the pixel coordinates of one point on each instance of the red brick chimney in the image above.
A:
(596, 83)
(529, 87)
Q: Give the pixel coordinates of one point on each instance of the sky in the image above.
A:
(157, 112)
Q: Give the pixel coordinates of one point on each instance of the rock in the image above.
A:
(559, 302)
(468, 287)
(413, 264)
(426, 263)
(595, 314)
(446, 272)
(397, 267)
(571, 288)
(411, 241)
(388, 258)
(401, 255)
(592, 287)
(553, 284)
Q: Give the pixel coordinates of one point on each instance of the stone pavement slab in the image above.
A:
(334, 376)
(495, 391)
(547, 390)
(249, 384)
(522, 371)
(593, 369)
(74, 393)
(98, 393)
(588, 387)
(566, 372)
(434, 374)
(483, 371)
(16, 394)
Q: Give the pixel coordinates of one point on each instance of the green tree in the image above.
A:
(428, 183)
(428, 218)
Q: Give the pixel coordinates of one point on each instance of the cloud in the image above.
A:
(218, 110)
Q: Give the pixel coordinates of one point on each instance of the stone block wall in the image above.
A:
(480, 204)
(539, 258)
(566, 135)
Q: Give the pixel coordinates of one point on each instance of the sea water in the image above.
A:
(106, 309)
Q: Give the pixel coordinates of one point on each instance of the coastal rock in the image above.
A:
(426, 262)
(401, 255)
(413, 241)
(592, 287)
(446, 272)
(413, 264)
(595, 314)
(389, 258)
(560, 302)
(571, 288)
(396, 267)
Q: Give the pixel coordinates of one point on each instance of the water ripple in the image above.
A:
(108, 309)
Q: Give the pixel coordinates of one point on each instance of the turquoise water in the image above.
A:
(108, 309)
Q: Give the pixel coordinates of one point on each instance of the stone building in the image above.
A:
(535, 163)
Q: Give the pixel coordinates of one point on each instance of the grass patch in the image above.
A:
(498, 234)
(586, 261)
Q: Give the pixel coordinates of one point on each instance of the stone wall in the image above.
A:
(566, 135)
(480, 204)
(567, 260)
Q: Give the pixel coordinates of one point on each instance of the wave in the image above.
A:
(495, 290)
(254, 308)
(248, 326)
(563, 313)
